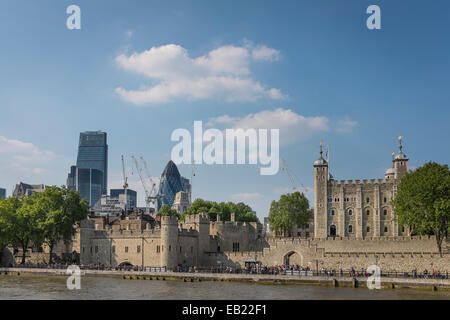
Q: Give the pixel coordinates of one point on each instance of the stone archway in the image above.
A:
(293, 257)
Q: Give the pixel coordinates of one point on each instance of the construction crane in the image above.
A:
(154, 195)
(286, 169)
(192, 179)
(147, 193)
(125, 183)
(290, 174)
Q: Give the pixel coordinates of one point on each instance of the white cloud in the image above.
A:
(245, 196)
(23, 156)
(346, 125)
(221, 74)
(293, 126)
(265, 53)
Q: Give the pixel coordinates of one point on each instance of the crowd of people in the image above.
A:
(326, 272)
(256, 269)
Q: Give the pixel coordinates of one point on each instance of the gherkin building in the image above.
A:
(171, 183)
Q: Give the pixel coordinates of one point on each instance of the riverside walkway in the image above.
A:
(333, 281)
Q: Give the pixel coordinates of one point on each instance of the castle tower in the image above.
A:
(400, 162)
(169, 240)
(181, 203)
(203, 237)
(320, 196)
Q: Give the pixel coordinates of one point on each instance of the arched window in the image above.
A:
(368, 229)
(385, 199)
(385, 229)
(350, 212)
(368, 212)
(385, 212)
(367, 199)
(332, 212)
(350, 229)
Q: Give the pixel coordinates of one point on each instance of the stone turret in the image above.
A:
(169, 241)
(320, 196)
(203, 237)
(400, 162)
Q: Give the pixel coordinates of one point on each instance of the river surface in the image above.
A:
(40, 287)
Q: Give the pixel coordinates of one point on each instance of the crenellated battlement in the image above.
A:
(187, 233)
(110, 233)
(363, 182)
(202, 217)
(169, 220)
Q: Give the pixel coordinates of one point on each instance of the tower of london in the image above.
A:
(358, 209)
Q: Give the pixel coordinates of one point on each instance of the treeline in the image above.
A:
(44, 218)
(422, 202)
(242, 211)
(292, 210)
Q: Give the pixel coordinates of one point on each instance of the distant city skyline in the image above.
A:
(311, 69)
(90, 175)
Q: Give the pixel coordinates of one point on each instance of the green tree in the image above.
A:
(58, 211)
(291, 210)
(21, 223)
(242, 211)
(5, 233)
(422, 201)
(249, 217)
(165, 210)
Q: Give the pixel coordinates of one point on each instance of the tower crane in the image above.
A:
(125, 183)
(192, 179)
(147, 194)
(291, 176)
(154, 195)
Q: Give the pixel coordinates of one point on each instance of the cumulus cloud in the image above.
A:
(265, 53)
(346, 125)
(293, 126)
(222, 74)
(23, 156)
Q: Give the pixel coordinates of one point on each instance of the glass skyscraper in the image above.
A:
(171, 183)
(2, 193)
(90, 175)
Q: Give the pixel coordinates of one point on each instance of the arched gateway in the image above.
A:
(293, 257)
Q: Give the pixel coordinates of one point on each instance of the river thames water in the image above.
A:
(37, 287)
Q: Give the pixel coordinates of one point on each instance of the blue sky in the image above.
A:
(332, 79)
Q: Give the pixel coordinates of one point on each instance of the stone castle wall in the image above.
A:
(392, 254)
